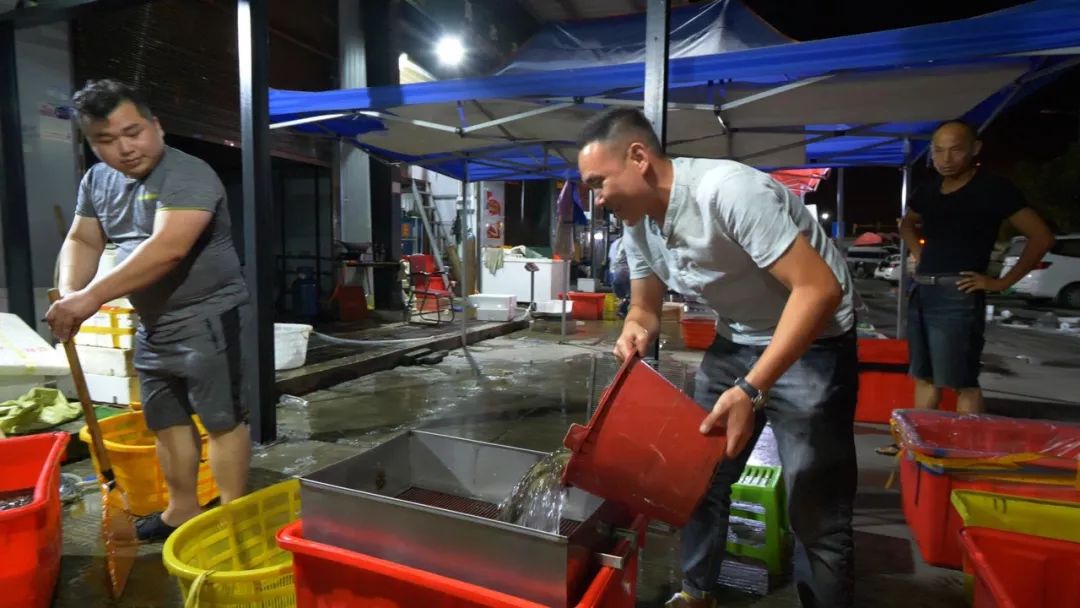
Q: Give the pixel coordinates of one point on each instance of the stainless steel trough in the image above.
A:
(429, 501)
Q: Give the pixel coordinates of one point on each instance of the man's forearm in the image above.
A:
(647, 319)
(146, 265)
(78, 265)
(911, 238)
(805, 315)
(1033, 251)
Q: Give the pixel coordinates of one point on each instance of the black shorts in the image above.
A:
(945, 334)
(192, 368)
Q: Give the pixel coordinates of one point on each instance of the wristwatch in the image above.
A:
(757, 397)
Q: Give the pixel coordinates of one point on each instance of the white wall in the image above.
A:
(43, 61)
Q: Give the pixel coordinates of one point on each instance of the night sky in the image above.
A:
(1037, 129)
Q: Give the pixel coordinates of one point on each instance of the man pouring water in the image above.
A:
(785, 346)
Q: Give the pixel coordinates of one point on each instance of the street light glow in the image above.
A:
(450, 50)
(824, 216)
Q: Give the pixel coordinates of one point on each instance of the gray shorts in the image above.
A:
(192, 368)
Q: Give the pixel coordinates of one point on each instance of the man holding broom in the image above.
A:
(168, 215)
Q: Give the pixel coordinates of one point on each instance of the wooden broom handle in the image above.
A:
(79, 379)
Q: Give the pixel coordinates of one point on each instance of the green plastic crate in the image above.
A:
(761, 490)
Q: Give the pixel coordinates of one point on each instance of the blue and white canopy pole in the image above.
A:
(905, 190)
(657, 44)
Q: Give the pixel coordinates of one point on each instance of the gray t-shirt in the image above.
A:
(726, 223)
(208, 281)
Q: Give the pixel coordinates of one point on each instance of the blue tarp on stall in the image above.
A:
(847, 101)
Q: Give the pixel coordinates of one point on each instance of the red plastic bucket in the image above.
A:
(643, 449)
(30, 536)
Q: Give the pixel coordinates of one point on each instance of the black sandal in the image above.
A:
(152, 528)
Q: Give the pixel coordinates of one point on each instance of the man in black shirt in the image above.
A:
(960, 216)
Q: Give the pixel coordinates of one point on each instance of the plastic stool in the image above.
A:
(762, 489)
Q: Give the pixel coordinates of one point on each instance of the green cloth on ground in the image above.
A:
(40, 409)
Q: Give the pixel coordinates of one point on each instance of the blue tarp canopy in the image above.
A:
(848, 101)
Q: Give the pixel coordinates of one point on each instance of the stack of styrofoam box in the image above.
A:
(105, 343)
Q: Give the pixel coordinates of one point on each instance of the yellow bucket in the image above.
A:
(130, 446)
(1031, 516)
(229, 556)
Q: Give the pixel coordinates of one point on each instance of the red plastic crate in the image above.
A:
(588, 306)
(330, 577)
(933, 520)
(884, 383)
(698, 334)
(1048, 446)
(30, 538)
(1019, 571)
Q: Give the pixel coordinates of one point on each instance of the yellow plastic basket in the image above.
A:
(131, 450)
(1031, 516)
(229, 557)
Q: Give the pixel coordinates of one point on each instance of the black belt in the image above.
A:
(937, 279)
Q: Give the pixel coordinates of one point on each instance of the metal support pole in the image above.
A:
(841, 229)
(594, 271)
(566, 301)
(657, 38)
(257, 335)
(464, 218)
(318, 239)
(480, 232)
(901, 301)
(13, 212)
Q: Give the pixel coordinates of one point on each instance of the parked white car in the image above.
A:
(889, 270)
(863, 260)
(1056, 277)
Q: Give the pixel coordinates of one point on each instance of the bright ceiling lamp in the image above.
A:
(450, 50)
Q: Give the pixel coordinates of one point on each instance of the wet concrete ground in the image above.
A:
(529, 391)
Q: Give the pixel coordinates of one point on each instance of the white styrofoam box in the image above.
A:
(13, 387)
(290, 345)
(494, 301)
(110, 327)
(105, 361)
(512, 278)
(555, 307)
(23, 352)
(586, 285)
(494, 306)
(495, 314)
(113, 389)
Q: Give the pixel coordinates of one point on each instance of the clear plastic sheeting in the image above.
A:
(981, 441)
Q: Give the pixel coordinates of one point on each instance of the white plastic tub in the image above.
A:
(554, 308)
(290, 345)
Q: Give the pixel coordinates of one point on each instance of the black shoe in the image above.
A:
(152, 529)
